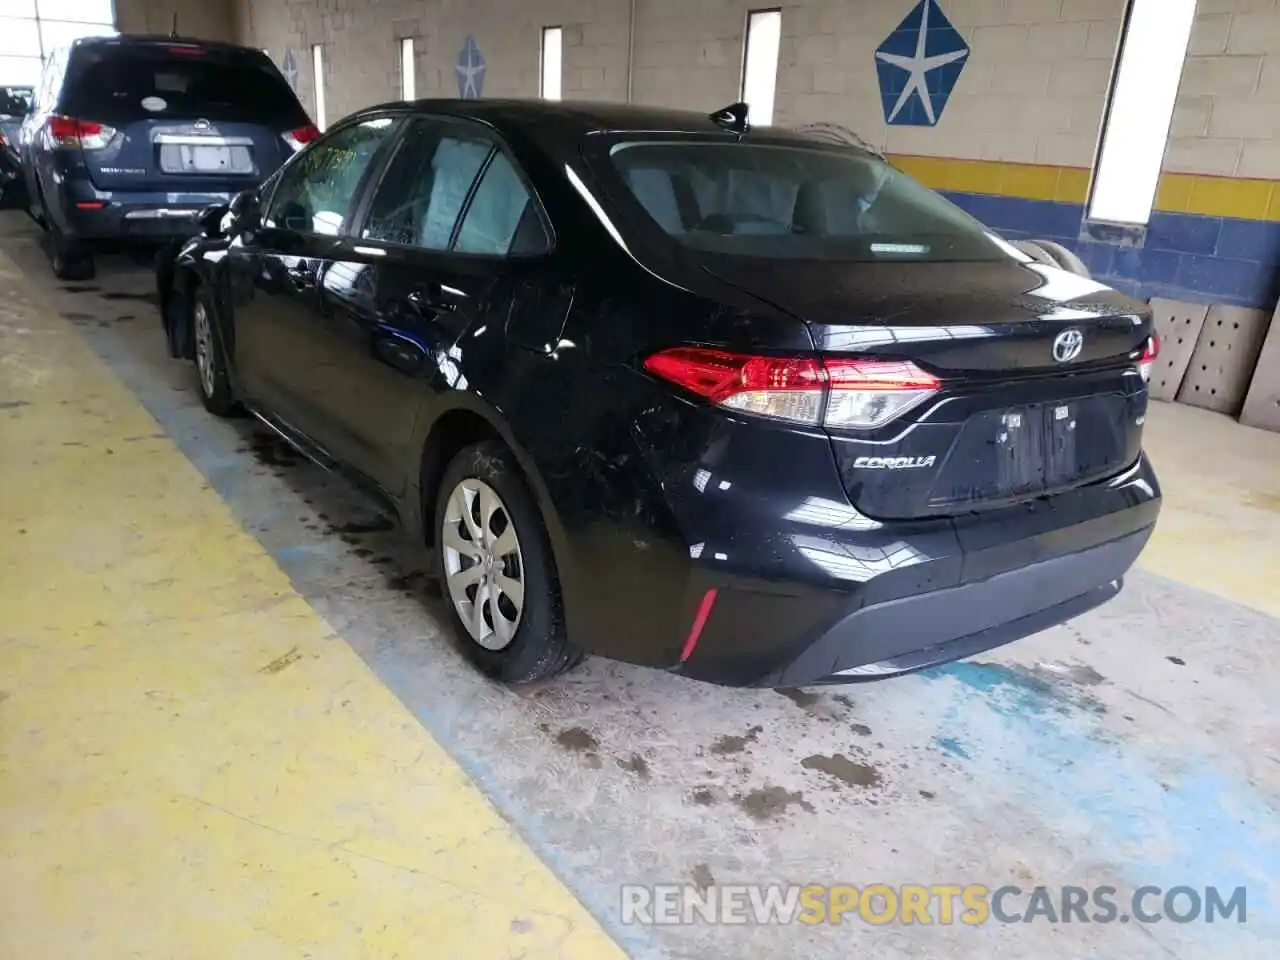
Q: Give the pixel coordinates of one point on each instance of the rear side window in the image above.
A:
(768, 201)
(422, 192)
(502, 218)
(134, 82)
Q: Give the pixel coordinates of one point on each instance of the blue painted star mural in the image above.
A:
(290, 69)
(470, 70)
(919, 65)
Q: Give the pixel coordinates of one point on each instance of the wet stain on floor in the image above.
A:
(842, 768)
(577, 740)
(281, 662)
(379, 524)
(768, 803)
(729, 744)
(635, 764)
(271, 451)
(149, 297)
(801, 698)
(703, 878)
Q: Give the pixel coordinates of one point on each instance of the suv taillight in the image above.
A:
(832, 391)
(1149, 354)
(297, 139)
(85, 134)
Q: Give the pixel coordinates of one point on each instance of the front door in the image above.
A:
(278, 346)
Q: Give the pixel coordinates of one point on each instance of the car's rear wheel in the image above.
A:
(496, 568)
(70, 259)
(212, 378)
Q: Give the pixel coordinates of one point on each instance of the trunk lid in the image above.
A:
(1040, 390)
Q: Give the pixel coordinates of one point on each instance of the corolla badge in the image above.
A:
(1067, 345)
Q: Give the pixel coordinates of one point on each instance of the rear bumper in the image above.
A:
(997, 578)
(135, 216)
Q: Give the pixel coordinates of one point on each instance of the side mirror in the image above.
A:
(210, 219)
(246, 212)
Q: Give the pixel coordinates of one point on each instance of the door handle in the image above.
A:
(430, 299)
(301, 276)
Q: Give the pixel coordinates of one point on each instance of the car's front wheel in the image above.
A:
(212, 377)
(497, 571)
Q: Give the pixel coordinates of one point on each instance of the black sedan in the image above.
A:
(738, 403)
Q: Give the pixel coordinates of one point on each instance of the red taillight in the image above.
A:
(91, 205)
(301, 137)
(1149, 354)
(85, 134)
(835, 391)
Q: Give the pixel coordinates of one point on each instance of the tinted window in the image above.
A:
(796, 202)
(135, 81)
(502, 218)
(15, 101)
(316, 190)
(420, 196)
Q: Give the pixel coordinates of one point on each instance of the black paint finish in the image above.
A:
(379, 360)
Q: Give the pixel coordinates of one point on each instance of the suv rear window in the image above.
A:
(132, 82)
(793, 202)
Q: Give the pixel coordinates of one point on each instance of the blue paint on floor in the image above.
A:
(1160, 819)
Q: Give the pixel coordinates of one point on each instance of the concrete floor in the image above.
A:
(1137, 745)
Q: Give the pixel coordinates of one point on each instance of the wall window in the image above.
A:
(552, 62)
(1140, 110)
(30, 30)
(317, 75)
(408, 70)
(760, 64)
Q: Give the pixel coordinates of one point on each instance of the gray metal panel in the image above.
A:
(1223, 360)
(1262, 405)
(1178, 325)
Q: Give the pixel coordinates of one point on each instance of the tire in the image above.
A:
(525, 639)
(212, 379)
(70, 260)
(1066, 259)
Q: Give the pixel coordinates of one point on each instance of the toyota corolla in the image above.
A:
(734, 402)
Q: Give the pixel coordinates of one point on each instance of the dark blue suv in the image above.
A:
(131, 137)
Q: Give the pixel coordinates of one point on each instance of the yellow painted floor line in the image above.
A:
(192, 764)
(1219, 527)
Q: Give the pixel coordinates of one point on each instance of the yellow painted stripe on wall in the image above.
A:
(1201, 194)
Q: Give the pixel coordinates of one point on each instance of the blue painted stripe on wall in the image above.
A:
(1185, 257)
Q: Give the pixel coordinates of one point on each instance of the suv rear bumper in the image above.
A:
(135, 216)
(1009, 575)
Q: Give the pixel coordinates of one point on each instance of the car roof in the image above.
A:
(582, 117)
(156, 39)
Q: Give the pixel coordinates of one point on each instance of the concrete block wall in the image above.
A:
(1014, 145)
(206, 19)
(362, 45)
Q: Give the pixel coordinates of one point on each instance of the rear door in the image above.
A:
(178, 117)
(450, 226)
(278, 354)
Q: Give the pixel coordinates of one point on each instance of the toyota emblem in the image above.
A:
(202, 124)
(1067, 345)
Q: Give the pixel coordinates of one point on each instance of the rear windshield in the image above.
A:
(794, 202)
(133, 82)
